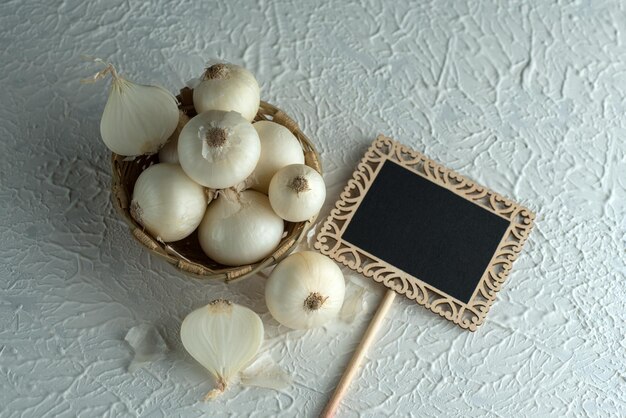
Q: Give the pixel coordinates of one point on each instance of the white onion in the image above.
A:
(137, 119)
(305, 290)
(279, 148)
(169, 152)
(168, 203)
(297, 192)
(228, 87)
(223, 337)
(218, 149)
(240, 229)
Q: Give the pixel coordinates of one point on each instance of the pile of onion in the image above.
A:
(232, 180)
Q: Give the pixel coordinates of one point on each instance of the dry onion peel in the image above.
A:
(264, 372)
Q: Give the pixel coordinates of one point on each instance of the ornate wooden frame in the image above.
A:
(467, 315)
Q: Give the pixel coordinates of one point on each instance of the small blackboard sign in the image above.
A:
(426, 232)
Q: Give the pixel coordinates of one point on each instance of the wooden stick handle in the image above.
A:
(358, 355)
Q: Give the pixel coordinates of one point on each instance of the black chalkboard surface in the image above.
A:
(425, 232)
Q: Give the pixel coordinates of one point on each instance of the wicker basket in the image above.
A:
(187, 254)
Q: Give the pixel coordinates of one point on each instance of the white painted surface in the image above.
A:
(528, 99)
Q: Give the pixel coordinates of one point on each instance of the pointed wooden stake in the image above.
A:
(357, 357)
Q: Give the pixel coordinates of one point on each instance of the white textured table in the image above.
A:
(529, 100)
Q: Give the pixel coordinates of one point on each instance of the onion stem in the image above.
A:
(219, 389)
(299, 184)
(314, 301)
(216, 72)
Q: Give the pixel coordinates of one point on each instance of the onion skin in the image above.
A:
(168, 203)
(279, 148)
(305, 290)
(137, 119)
(169, 152)
(297, 192)
(228, 87)
(224, 338)
(241, 232)
(218, 164)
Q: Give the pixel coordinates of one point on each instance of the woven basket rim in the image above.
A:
(121, 198)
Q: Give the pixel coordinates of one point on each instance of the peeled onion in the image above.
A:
(137, 119)
(168, 203)
(224, 338)
(297, 192)
(218, 149)
(279, 148)
(228, 87)
(240, 229)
